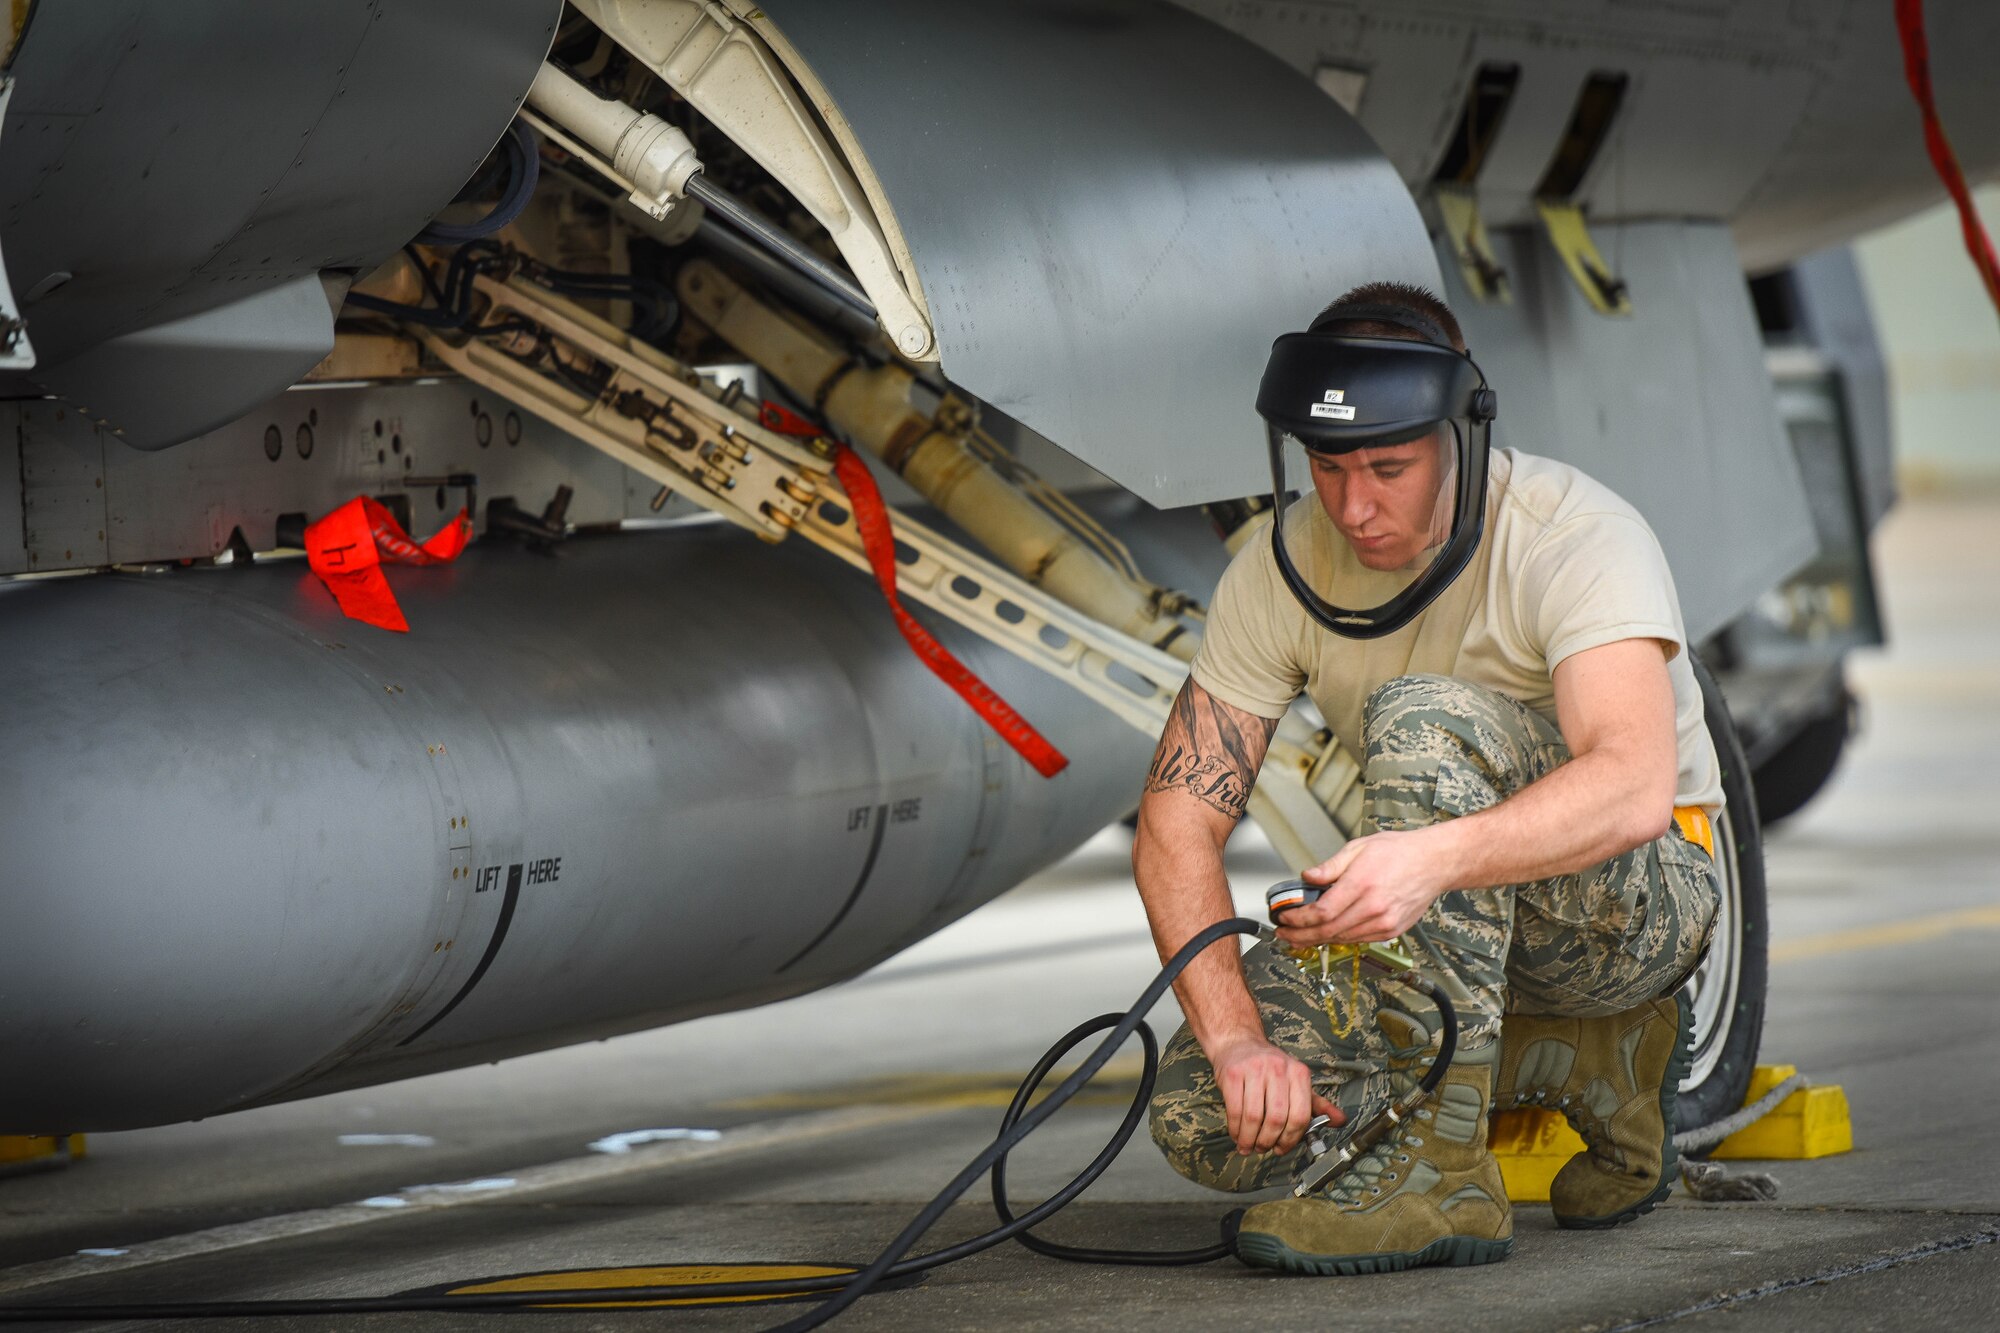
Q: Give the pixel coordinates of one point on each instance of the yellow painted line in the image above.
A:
(673, 1275)
(1915, 930)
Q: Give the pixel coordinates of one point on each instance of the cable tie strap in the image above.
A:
(878, 540)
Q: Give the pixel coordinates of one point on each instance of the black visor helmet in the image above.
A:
(1334, 393)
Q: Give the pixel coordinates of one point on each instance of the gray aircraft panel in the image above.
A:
(1713, 98)
(1672, 407)
(13, 533)
(1833, 306)
(64, 524)
(1856, 159)
(177, 158)
(167, 382)
(1114, 207)
(333, 442)
(1790, 120)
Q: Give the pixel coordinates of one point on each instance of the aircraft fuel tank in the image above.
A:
(255, 851)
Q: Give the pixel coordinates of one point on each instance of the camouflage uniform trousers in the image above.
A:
(1599, 941)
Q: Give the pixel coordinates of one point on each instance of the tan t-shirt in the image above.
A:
(1564, 565)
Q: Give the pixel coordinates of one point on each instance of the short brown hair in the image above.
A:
(1419, 301)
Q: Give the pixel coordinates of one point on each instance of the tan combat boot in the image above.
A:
(1430, 1193)
(1615, 1079)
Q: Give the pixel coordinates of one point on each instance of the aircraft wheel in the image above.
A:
(1794, 775)
(1728, 988)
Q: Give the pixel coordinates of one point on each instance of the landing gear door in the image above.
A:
(1111, 209)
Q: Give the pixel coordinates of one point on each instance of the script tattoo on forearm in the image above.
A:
(1211, 751)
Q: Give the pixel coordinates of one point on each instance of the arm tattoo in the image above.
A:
(1210, 751)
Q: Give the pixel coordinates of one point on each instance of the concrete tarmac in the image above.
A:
(837, 1115)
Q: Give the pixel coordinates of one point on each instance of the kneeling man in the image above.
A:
(1497, 637)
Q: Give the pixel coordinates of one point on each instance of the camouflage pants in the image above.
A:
(1599, 941)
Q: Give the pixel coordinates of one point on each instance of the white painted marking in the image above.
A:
(762, 1136)
(387, 1141)
(632, 1138)
(485, 1185)
(104, 1254)
(425, 1193)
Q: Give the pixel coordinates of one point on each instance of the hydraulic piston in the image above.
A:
(872, 405)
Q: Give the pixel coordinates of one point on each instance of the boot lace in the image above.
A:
(1381, 1165)
(1588, 1126)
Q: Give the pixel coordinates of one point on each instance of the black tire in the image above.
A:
(1728, 990)
(1795, 773)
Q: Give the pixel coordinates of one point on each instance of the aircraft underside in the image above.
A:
(653, 747)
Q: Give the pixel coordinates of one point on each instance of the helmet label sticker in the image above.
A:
(1336, 395)
(1337, 411)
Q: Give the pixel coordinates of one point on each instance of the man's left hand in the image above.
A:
(1377, 888)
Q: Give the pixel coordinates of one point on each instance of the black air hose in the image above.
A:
(524, 160)
(844, 1289)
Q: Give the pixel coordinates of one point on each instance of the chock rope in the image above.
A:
(1707, 1136)
(1712, 1182)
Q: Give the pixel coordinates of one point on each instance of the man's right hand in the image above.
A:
(1196, 790)
(1267, 1096)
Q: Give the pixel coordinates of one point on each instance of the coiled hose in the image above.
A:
(1019, 1121)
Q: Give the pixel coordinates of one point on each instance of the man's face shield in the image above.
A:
(1391, 436)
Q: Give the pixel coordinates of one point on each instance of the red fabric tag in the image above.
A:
(1917, 71)
(348, 547)
(871, 516)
